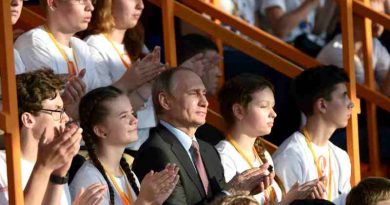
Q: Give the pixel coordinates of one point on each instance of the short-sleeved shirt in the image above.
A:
(37, 50)
(88, 174)
(26, 168)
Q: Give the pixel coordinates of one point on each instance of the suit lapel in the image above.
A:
(182, 156)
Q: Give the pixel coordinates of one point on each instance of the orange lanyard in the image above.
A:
(72, 70)
(126, 200)
(269, 193)
(127, 65)
(316, 162)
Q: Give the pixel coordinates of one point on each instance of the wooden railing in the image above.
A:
(9, 114)
(277, 54)
(361, 9)
(277, 46)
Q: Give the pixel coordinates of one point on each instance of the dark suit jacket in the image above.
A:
(162, 148)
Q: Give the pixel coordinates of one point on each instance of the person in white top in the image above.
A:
(115, 34)
(321, 94)
(332, 53)
(290, 18)
(247, 10)
(47, 145)
(118, 37)
(53, 46)
(249, 113)
(16, 10)
(109, 126)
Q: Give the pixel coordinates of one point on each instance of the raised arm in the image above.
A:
(282, 22)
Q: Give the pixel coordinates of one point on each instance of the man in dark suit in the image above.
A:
(179, 97)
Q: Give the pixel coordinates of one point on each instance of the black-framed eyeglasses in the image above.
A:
(56, 114)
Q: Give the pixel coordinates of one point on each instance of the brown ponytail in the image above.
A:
(260, 149)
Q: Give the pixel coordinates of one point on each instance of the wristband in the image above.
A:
(58, 179)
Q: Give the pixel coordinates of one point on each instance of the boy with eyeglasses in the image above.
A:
(47, 144)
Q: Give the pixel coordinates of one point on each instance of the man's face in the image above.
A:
(187, 101)
(49, 123)
(339, 108)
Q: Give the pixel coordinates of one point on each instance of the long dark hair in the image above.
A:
(92, 112)
(239, 90)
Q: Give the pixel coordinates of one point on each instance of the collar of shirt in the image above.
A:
(184, 139)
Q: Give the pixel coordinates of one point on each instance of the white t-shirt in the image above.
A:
(38, 51)
(19, 66)
(244, 9)
(88, 174)
(294, 163)
(110, 56)
(26, 168)
(146, 116)
(234, 163)
(288, 6)
(332, 54)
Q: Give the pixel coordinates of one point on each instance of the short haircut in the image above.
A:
(163, 83)
(369, 191)
(239, 90)
(315, 83)
(192, 44)
(35, 87)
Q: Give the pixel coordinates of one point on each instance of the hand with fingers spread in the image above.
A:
(57, 155)
(74, 89)
(156, 187)
(211, 62)
(142, 71)
(196, 63)
(93, 195)
(248, 181)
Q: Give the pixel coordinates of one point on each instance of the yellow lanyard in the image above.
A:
(127, 65)
(71, 68)
(126, 200)
(316, 162)
(269, 193)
